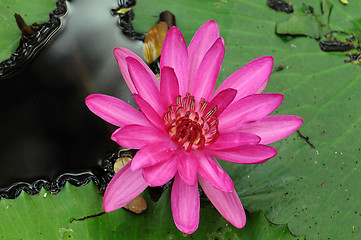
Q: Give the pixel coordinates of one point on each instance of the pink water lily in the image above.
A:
(182, 127)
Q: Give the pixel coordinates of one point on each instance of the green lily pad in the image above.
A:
(33, 11)
(47, 216)
(314, 190)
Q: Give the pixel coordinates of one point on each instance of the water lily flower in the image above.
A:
(182, 126)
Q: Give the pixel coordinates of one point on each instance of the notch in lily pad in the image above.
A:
(307, 23)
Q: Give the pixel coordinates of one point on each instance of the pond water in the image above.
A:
(45, 126)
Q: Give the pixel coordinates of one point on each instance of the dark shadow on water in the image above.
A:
(46, 129)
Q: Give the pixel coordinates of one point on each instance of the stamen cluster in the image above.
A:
(189, 125)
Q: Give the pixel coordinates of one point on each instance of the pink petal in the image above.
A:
(233, 139)
(202, 41)
(136, 136)
(273, 128)
(206, 76)
(222, 100)
(153, 154)
(174, 54)
(260, 90)
(248, 109)
(185, 205)
(187, 167)
(123, 188)
(152, 116)
(115, 111)
(246, 154)
(213, 173)
(161, 173)
(169, 89)
(250, 79)
(227, 203)
(144, 85)
(120, 55)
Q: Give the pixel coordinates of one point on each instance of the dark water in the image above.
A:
(45, 126)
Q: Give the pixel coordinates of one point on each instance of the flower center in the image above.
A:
(189, 125)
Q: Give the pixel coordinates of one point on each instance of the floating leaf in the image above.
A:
(34, 11)
(76, 213)
(316, 191)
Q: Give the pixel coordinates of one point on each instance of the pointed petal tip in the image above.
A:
(273, 154)
(173, 28)
(280, 97)
(91, 97)
(117, 50)
(237, 221)
(299, 120)
(88, 99)
(108, 204)
(277, 97)
(107, 208)
(268, 60)
(210, 23)
(223, 42)
(230, 189)
(187, 229)
(241, 223)
(112, 137)
(220, 40)
(120, 53)
(266, 63)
